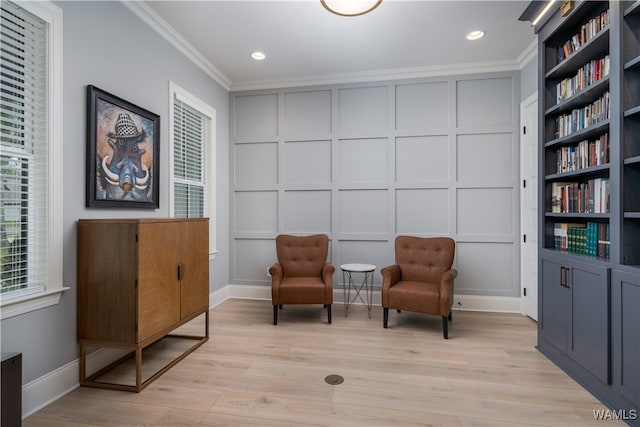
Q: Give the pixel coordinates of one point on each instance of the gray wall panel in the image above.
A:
(422, 107)
(363, 111)
(425, 157)
(486, 268)
(253, 259)
(422, 159)
(308, 212)
(485, 156)
(485, 211)
(307, 114)
(256, 164)
(362, 160)
(248, 203)
(307, 162)
(485, 102)
(256, 116)
(363, 211)
(423, 211)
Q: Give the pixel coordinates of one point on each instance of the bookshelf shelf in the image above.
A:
(586, 133)
(589, 211)
(597, 46)
(594, 170)
(585, 96)
(632, 9)
(633, 64)
(632, 161)
(632, 111)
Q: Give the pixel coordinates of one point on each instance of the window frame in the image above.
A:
(22, 301)
(178, 93)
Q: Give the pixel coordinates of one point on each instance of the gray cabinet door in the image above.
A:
(589, 318)
(625, 316)
(553, 321)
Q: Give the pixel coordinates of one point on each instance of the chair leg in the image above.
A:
(445, 327)
(399, 311)
(385, 317)
(328, 312)
(450, 315)
(275, 314)
(280, 306)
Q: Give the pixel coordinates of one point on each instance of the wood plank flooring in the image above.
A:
(251, 373)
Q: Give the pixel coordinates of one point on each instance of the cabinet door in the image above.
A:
(158, 284)
(553, 323)
(195, 267)
(589, 322)
(626, 337)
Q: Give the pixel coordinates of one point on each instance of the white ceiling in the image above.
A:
(305, 44)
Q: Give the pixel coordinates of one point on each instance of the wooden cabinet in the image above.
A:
(138, 280)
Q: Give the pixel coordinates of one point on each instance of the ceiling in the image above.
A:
(305, 44)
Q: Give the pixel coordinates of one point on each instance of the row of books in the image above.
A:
(590, 239)
(583, 155)
(581, 197)
(587, 32)
(587, 75)
(581, 118)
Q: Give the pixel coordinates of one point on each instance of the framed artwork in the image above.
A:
(122, 153)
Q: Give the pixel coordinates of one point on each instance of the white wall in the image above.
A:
(107, 46)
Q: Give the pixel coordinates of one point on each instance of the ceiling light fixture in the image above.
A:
(350, 7)
(542, 12)
(475, 35)
(258, 56)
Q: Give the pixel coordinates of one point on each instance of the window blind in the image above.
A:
(189, 166)
(23, 154)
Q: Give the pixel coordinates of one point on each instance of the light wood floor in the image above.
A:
(251, 373)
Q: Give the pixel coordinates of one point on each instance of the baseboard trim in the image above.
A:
(461, 302)
(44, 390)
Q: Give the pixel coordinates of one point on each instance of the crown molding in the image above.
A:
(380, 75)
(530, 52)
(153, 20)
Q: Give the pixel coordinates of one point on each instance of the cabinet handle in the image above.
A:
(567, 279)
(180, 271)
(564, 277)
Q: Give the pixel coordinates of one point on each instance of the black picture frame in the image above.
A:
(123, 153)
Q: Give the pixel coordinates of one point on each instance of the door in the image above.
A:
(589, 311)
(529, 206)
(194, 288)
(158, 283)
(553, 325)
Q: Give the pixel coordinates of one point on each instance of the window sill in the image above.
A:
(21, 304)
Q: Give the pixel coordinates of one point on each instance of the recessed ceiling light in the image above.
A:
(475, 35)
(258, 56)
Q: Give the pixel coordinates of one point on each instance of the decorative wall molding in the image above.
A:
(151, 18)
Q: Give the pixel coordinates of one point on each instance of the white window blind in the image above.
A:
(23, 155)
(190, 134)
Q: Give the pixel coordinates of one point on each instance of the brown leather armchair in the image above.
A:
(422, 278)
(302, 274)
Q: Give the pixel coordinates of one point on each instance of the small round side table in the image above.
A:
(367, 284)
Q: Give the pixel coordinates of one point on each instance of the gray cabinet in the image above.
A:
(589, 222)
(575, 311)
(626, 333)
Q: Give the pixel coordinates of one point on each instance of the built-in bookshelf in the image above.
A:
(630, 136)
(577, 116)
(589, 186)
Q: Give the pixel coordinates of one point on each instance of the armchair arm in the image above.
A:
(390, 276)
(327, 273)
(276, 278)
(327, 277)
(446, 290)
